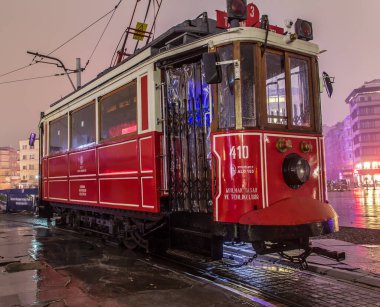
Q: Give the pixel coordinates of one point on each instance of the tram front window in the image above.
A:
(301, 106)
(226, 95)
(275, 88)
(247, 85)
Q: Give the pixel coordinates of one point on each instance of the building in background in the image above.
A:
(339, 151)
(365, 116)
(28, 164)
(347, 170)
(9, 169)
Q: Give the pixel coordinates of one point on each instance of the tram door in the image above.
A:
(188, 138)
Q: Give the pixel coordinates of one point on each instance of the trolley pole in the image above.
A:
(60, 64)
(79, 72)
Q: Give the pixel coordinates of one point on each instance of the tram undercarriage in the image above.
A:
(197, 233)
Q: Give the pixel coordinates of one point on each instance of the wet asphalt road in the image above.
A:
(44, 266)
(358, 208)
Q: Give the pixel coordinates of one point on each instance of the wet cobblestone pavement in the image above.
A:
(301, 288)
(75, 270)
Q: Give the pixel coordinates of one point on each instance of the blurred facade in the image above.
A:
(348, 150)
(28, 164)
(365, 115)
(9, 169)
(339, 151)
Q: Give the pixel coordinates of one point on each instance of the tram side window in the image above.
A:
(226, 96)
(118, 112)
(248, 85)
(275, 89)
(301, 103)
(83, 127)
(58, 135)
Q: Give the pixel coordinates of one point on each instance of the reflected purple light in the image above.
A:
(359, 208)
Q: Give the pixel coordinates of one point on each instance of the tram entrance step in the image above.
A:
(202, 243)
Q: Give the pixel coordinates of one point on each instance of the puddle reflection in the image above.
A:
(357, 208)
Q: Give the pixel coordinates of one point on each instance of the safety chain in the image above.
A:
(239, 265)
(300, 259)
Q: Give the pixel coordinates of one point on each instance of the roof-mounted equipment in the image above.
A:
(236, 11)
(304, 29)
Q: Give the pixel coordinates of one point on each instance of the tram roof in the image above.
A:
(195, 34)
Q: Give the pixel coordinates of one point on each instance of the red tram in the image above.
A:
(203, 136)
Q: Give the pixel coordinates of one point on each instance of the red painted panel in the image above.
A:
(45, 168)
(46, 129)
(120, 191)
(147, 154)
(323, 168)
(45, 190)
(144, 103)
(58, 166)
(85, 190)
(239, 179)
(58, 190)
(149, 192)
(290, 212)
(83, 163)
(119, 158)
(277, 188)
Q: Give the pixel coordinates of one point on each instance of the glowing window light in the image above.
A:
(359, 166)
(367, 165)
(375, 165)
(376, 177)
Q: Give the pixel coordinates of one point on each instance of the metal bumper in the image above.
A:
(290, 219)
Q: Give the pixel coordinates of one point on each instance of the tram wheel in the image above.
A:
(74, 219)
(129, 242)
(132, 237)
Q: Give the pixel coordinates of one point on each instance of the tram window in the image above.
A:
(58, 135)
(301, 106)
(118, 112)
(248, 85)
(83, 127)
(275, 89)
(226, 96)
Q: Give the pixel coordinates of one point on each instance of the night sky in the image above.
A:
(346, 29)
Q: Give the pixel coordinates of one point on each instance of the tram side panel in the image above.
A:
(121, 175)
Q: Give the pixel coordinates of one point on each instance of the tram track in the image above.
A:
(261, 282)
(281, 283)
(200, 271)
(250, 295)
(196, 270)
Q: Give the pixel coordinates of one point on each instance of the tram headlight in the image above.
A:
(237, 9)
(295, 170)
(304, 29)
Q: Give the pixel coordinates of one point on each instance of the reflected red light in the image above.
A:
(306, 29)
